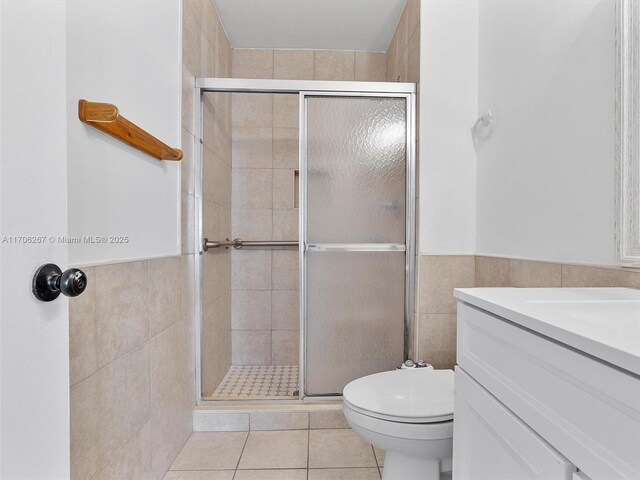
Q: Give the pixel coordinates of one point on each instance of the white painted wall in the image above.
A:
(546, 176)
(34, 336)
(126, 53)
(448, 108)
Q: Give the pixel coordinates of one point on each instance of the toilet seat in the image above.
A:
(416, 396)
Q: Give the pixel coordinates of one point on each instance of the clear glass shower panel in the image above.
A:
(355, 317)
(356, 169)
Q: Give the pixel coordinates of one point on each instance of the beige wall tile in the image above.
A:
(251, 347)
(252, 109)
(437, 339)
(283, 188)
(285, 269)
(132, 460)
(403, 66)
(211, 451)
(327, 419)
(439, 275)
(188, 285)
(165, 299)
(216, 178)
(251, 224)
(392, 60)
(251, 310)
(492, 272)
(370, 66)
(284, 347)
(166, 367)
(84, 401)
(188, 86)
(286, 111)
(166, 435)
(279, 420)
(122, 309)
(250, 63)
(285, 148)
(252, 188)
(252, 147)
(210, 23)
(216, 349)
(413, 58)
(216, 272)
(265, 450)
(83, 359)
(334, 65)
(339, 448)
(285, 310)
(191, 55)
(188, 348)
(293, 64)
(285, 224)
(251, 269)
(402, 32)
(125, 391)
(187, 172)
(413, 16)
(187, 223)
(523, 273)
(579, 276)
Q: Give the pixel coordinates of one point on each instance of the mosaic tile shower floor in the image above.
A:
(258, 382)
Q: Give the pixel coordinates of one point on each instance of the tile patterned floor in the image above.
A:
(336, 454)
(258, 382)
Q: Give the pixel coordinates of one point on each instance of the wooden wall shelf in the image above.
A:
(106, 118)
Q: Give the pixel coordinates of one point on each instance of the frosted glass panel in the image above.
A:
(356, 170)
(355, 317)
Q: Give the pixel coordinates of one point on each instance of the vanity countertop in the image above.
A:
(602, 322)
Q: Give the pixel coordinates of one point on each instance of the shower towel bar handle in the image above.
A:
(239, 243)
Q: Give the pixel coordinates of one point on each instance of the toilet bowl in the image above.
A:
(408, 414)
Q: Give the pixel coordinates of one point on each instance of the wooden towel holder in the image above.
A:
(106, 118)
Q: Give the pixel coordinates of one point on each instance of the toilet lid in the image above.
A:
(417, 395)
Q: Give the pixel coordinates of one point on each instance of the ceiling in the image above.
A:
(310, 24)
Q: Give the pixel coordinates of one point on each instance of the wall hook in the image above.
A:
(483, 126)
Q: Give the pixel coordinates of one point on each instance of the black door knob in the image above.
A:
(49, 282)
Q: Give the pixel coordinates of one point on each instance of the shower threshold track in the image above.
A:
(258, 382)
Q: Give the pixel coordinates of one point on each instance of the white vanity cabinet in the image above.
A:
(547, 384)
(491, 443)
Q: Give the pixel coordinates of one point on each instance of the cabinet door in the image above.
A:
(491, 443)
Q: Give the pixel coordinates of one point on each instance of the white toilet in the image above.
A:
(409, 414)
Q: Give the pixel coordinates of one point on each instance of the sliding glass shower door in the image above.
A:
(354, 236)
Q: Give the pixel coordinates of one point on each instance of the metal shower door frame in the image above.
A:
(304, 89)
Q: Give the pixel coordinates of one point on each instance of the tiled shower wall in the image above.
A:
(207, 53)
(265, 318)
(440, 274)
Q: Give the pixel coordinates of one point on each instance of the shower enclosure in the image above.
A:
(328, 297)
